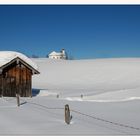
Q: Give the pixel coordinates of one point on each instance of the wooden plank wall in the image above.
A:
(0, 85)
(17, 79)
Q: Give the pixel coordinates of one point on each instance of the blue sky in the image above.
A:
(85, 31)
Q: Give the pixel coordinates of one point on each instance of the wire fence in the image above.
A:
(103, 120)
(46, 107)
(89, 116)
(82, 114)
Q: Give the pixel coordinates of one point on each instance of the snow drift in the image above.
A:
(115, 79)
(105, 91)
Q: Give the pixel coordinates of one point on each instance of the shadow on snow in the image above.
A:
(35, 92)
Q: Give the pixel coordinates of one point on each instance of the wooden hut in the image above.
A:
(16, 72)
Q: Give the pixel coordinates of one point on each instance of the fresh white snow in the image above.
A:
(7, 56)
(105, 91)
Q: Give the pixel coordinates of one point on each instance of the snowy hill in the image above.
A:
(109, 104)
(90, 77)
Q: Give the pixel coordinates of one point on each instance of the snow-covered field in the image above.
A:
(103, 95)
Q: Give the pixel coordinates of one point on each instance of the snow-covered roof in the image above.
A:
(55, 53)
(8, 56)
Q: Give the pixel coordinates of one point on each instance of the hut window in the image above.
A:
(0, 71)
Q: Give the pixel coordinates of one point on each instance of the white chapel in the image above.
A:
(58, 55)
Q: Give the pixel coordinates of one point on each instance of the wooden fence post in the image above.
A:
(18, 100)
(57, 95)
(67, 114)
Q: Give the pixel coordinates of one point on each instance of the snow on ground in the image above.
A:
(104, 92)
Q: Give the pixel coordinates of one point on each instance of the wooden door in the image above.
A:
(9, 86)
